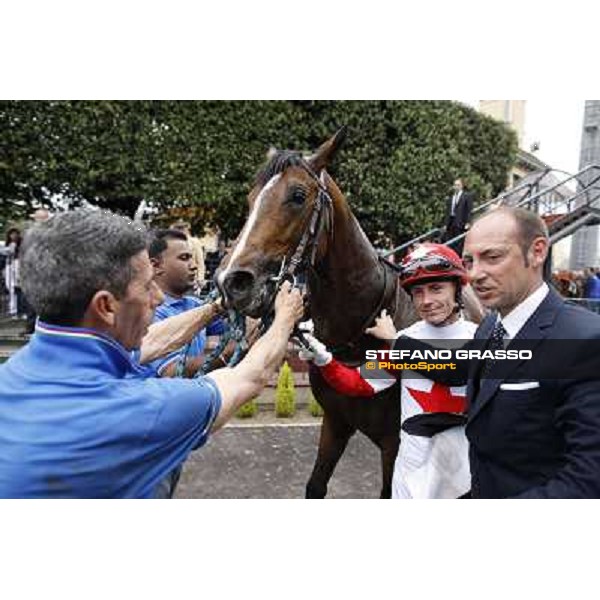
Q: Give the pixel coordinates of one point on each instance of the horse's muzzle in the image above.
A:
(239, 288)
(238, 284)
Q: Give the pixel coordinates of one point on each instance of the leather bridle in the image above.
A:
(320, 218)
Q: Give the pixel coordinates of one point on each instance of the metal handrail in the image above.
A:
(520, 204)
(527, 186)
(585, 190)
(528, 200)
(416, 240)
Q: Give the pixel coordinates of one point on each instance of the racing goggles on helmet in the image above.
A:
(428, 264)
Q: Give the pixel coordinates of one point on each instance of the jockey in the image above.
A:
(432, 461)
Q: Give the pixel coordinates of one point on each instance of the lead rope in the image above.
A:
(235, 329)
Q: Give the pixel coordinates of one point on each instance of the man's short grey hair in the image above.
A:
(69, 258)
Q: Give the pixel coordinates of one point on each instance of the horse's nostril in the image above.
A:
(238, 283)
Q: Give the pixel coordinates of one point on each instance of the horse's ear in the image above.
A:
(325, 153)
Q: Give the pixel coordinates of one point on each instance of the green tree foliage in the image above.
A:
(396, 167)
(285, 394)
(314, 408)
(247, 410)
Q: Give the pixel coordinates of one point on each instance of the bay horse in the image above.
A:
(300, 222)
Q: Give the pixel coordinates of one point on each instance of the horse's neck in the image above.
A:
(348, 281)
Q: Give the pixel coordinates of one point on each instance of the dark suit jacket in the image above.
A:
(462, 213)
(542, 442)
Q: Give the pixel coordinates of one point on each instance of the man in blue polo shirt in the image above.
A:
(175, 273)
(78, 417)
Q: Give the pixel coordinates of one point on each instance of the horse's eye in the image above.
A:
(297, 196)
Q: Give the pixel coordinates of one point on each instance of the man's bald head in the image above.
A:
(504, 254)
(528, 225)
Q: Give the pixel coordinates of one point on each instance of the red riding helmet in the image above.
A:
(428, 262)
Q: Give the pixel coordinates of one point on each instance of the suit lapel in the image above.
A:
(534, 331)
(482, 336)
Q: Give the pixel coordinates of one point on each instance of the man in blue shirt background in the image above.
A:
(175, 273)
(78, 417)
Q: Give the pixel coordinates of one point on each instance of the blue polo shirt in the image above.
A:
(172, 306)
(78, 419)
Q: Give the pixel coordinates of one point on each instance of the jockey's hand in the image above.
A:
(384, 327)
(289, 306)
(316, 352)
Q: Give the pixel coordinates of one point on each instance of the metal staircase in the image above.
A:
(564, 216)
(565, 225)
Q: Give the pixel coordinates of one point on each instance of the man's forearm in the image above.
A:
(246, 380)
(172, 333)
(192, 366)
(267, 354)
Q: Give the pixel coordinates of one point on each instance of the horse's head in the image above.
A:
(285, 210)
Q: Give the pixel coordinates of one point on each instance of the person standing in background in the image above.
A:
(12, 272)
(197, 252)
(175, 273)
(459, 207)
(39, 215)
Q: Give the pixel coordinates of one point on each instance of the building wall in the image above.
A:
(585, 249)
(511, 112)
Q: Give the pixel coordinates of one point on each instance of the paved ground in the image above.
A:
(272, 458)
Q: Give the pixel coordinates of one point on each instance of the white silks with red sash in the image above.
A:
(433, 459)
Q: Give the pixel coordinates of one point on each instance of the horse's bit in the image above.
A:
(236, 331)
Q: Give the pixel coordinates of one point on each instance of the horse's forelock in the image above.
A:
(279, 162)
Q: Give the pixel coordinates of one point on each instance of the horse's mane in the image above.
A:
(279, 162)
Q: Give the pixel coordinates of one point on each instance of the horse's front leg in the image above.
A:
(389, 450)
(332, 443)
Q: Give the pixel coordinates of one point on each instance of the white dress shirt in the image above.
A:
(513, 322)
(455, 200)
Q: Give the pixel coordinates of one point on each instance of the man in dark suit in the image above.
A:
(533, 426)
(458, 213)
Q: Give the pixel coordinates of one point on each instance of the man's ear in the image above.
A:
(104, 308)
(538, 251)
(157, 266)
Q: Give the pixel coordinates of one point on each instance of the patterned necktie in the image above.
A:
(496, 343)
